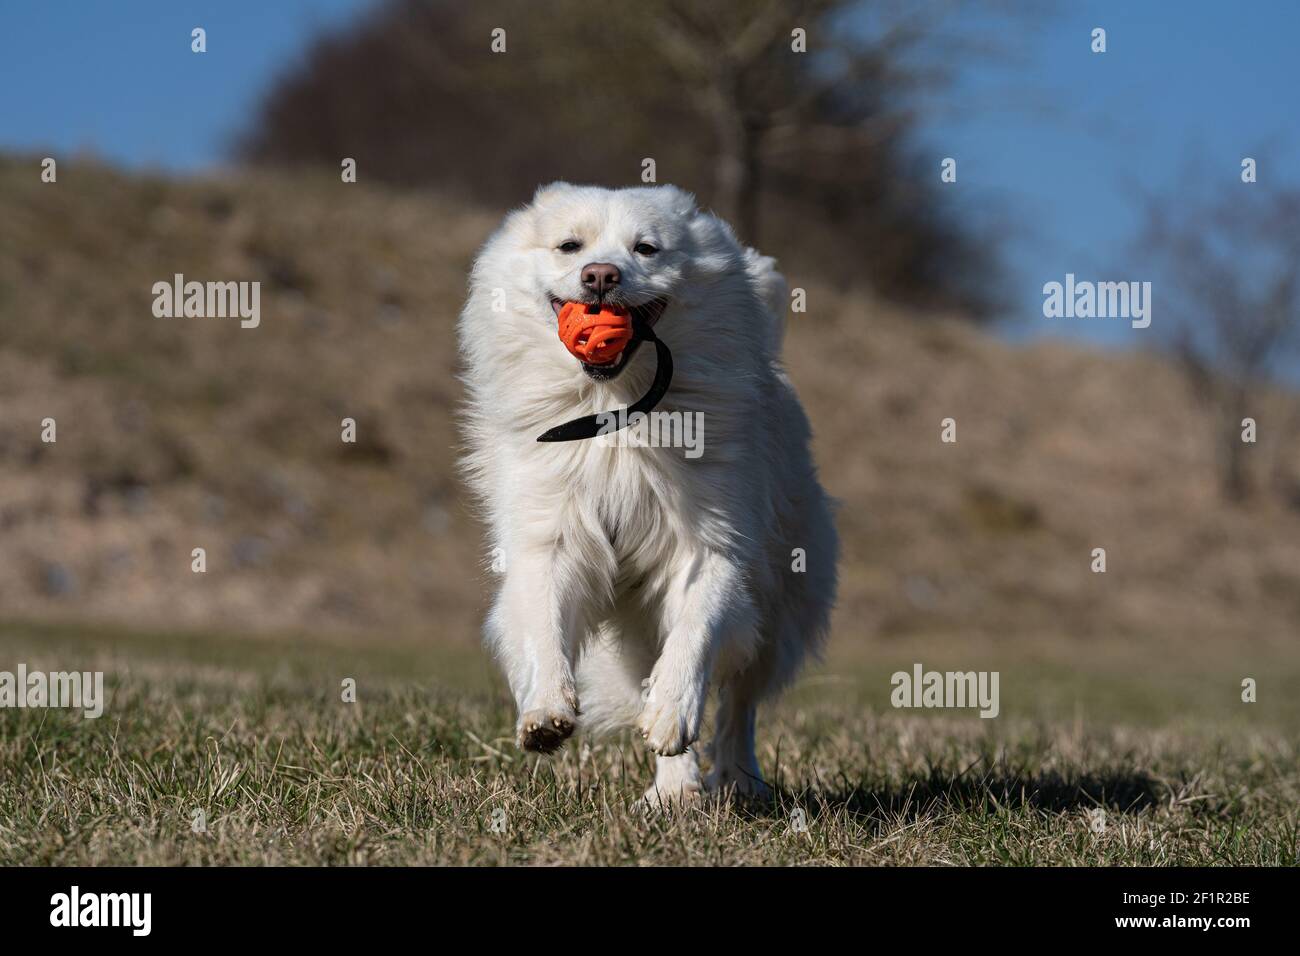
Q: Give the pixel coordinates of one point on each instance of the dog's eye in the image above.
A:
(644, 249)
(570, 245)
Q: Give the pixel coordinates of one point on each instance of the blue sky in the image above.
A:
(118, 76)
(1050, 137)
(1064, 143)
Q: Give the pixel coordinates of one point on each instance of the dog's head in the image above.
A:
(645, 250)
(624, 248)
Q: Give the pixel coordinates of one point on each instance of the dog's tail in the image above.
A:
(772, 291)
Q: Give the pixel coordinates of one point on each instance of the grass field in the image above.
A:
(422, 769)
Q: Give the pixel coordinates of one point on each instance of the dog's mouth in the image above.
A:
(645, 314)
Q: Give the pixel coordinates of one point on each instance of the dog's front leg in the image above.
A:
(534, 628)
(705, 605)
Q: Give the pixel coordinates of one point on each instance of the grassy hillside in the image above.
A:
(181, 433)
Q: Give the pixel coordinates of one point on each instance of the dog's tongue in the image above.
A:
(589, 426)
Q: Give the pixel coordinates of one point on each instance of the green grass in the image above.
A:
(254, 734)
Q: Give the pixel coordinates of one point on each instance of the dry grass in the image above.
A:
(256, 737)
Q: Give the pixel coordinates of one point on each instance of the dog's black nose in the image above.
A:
(600, 277)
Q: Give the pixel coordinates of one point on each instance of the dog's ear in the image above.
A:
(551, 190)
(713, 235)
(681, 202)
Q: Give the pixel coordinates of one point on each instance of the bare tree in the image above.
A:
(756, 90)
(713, 91)
(1230, 268)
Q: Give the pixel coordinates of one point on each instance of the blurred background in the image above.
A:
(924, 302)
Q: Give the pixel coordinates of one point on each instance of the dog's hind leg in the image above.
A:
(677, 780)
(735, 765)
(610, 670)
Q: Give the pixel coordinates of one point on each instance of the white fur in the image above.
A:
(636, 578)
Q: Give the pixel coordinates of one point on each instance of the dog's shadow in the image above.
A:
(991, 790)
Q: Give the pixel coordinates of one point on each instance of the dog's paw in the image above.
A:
(667, 726)
(545, 730)
(659, 798)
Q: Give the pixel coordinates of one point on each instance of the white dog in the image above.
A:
(637, 577)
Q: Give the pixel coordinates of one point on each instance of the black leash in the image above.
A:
(589, 426)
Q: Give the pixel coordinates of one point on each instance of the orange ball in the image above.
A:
(596, 334)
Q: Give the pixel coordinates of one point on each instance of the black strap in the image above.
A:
(589, 426)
